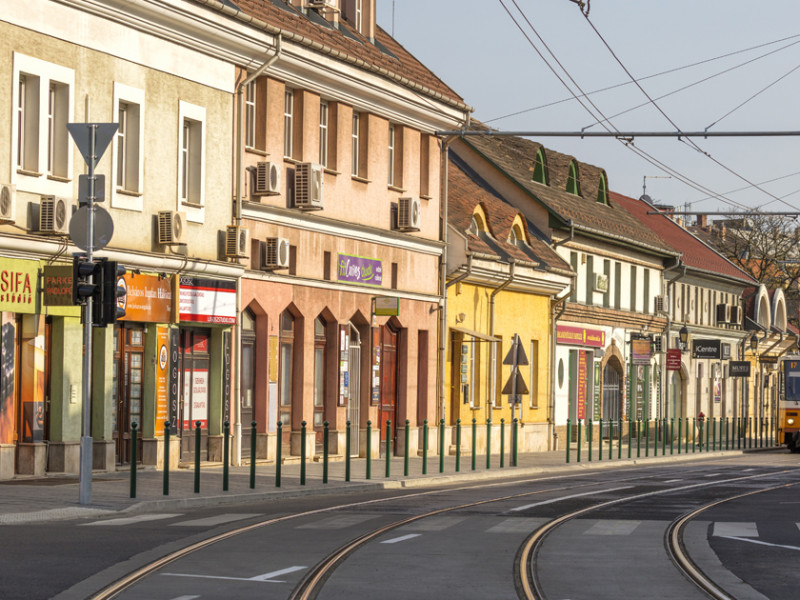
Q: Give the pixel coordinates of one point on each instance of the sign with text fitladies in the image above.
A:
(357, 269)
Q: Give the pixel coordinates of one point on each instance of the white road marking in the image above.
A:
(215, 520)
(265, 578)
(136, 519)
(517, 525)
(735, 530)
(433, 524)
(673, 480)
(711, 475)
(186, 598)
(337, 522)
(402, 538)
(552, 500)
(759, 542)
(613, 527)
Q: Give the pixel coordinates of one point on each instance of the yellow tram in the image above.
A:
(789, 404)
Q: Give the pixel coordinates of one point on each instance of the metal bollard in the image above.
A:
(708, 433)
(515, 444)
(502, 442)
(474, 435)
(680, 433)
(167, 432)
(714, 435)
(580, 439)
(302, 452)
(638, 438)
(458, 445)
(278, 447)
(425, 447)
(619, 441)
(441, 445)
(589, 431)
(647, 438)
(406, 450)
(600, 441)
(727, 435)
(197, 457)
(656, 435)
(569, 438)
(489, 443)
(134, 425)
(252, 455)
(630, 437)
(388, 446)
(664, 433)
(325, 434)
(226, 449)
(347, 452)
(369, 449)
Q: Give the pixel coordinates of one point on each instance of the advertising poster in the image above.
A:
(226, 376)
(174, 379)
(357, 269)
(581, 384)
(195, 387)
(8, 335)
(207, 300)
(162, 377)
(344, 364)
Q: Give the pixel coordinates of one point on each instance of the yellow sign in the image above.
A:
(18, 285)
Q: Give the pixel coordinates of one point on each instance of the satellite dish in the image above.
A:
(646, 198)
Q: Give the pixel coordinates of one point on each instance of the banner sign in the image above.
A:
(580, 336)
(162, 379)
(387, 307)
(207, 300)
(739, 368)
(357, 269)
(673, 360)
(706, 349)
(641, 351)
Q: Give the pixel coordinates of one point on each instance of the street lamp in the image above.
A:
(684, 337)
(754, 342)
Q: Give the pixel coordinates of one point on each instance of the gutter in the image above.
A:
(569, 239)
(463, 275)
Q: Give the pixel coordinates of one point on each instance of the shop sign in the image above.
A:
(580, 336)
(162, 378)
(18, 285)
(739, 368)
(148, 299)
(706, 349)
(641, 351)
(207, 300)
(673, 360)
(57, 285)
(386, 307)
(581, 384)
(357, 269)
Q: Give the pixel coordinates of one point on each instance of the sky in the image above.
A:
(748, 80)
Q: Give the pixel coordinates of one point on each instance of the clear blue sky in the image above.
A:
(477, 49)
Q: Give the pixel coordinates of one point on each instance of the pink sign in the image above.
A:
(580, 336)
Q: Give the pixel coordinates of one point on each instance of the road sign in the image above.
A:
(516, 378)
(99, 189)
(82, 136)
(103, 228)
(516, 354)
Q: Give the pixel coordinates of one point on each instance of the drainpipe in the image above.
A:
(464, 275)
(236, 457)
(443, 170)
(567, 239)
(494, 293)
(670, 286)
(552, 391)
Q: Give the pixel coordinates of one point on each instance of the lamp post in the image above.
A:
(756, 395)
(684, 337)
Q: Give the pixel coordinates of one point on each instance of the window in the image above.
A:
(425, 166)
(356, 144)
(391, 153)
(286, 374)
(127, 152)
(607, 293)
(359, 16)
(250, 115)
(540, 168)
(573, 181)
(395, 156)
(590, 279)
(288, 123)
(359, 145)
(319, 378)
(42, 97)
(602, 190)
(323, 133)
(617, 285)
(573, 261)
(646, 278)
(633, 288)
(191, 185)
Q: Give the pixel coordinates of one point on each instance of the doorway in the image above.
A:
(194, 367)
(354, 389)
(127, 372)
(248, 378)
(388, 401)
(612, 398)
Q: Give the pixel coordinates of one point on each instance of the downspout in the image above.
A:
(552, 391)
(464, 275)
(670, 286)
(236, 457)
(494, 293)
(567, 239)
(443, 174)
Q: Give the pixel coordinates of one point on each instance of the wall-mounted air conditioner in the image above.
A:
(8, 203)
(275, 254)
(171, 227)
(267, 179)
(237, 239)
(308, 187)
(735, 315)
(409, 214)
(54, 215)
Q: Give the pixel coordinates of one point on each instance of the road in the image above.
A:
(594, 534)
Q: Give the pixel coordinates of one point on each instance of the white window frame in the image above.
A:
(355, 145)
(130, 196)
(323, 132)
(359, 16)
(194, 158)
(288, 123)
(250, 115)
(392, 134)
(35, 126)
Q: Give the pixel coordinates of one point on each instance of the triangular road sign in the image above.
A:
(516, 355)
(521, 388)
(82, 136)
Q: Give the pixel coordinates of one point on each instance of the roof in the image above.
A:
(466, 189)
(515, 156)
(696, 254)
(385, 56)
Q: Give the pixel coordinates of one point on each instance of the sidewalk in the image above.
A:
(29, 500)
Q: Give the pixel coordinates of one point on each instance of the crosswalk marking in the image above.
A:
(613, 527)
(433, 523)
(402, 538)
(759, 542)
(337, 522)
(552, 500)
(517, 525)
(130, 520)
(215, 520)
(737, 530)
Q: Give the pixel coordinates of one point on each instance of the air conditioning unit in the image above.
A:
(275, 254)
(661, 303)
(267, 179)
(736, 315)
(237, 239)
(408, 214)
(8, 203)
(54, 215)
(723, 313)
(170, 227)
(308, 186)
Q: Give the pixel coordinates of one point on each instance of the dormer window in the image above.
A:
(516, 235)
(602, 190)
(473, 226)
(477, 225)
(540, 168)
(573, 181)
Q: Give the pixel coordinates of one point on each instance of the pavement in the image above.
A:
(26, 500)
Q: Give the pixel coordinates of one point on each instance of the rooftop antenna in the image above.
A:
(645, 197)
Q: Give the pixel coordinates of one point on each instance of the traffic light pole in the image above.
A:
(85, 475)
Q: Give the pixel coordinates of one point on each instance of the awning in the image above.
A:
(476, 334)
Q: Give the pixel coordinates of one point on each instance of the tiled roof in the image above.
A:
(386, 55)
(516, 157)
(466, 189)
(695, 253)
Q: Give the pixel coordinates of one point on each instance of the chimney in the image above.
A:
(702, 222)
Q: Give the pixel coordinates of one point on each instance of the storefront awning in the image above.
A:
(476, 334)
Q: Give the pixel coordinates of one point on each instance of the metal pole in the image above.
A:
(197, 457)
(489, 443)
(347, 452)
(589, 431)
(278, 448)
(502, 442)
(302, 452)
(167, 432)
(600, 440)
(133, 459)
(252, 455)
(474, 435)
(515, 449)
(225, 454)
(580, 439)
(569, 438)
(425, 447)
(369, 449)
(388, 446)
(325, 453)
(441, 445)
(406, 450)
(458, 445)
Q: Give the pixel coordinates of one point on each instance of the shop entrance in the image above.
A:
(127, 372)
(388, 401)
(354, 399)
(248, 380)
(194, 363)
(612, 399)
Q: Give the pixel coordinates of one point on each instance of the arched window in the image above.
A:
(516, 235)
(320, 375)
(573, 181)
(602, 190)
(540, 168)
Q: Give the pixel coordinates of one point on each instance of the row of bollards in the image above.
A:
(700, 434)
(325, 454)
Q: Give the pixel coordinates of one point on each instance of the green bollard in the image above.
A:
(458, 445)
(714, 435)
(638, 438)
(253, 455)
(226, 454)
(489, 443)
(589, 428)
(515, 446)
(672, 436)
(619, 441)
(425, 447)
(405, 450)
(502, 442)
(474, 436)
(134, 425)
(278, 448)
(600, 441)
(441, 445)
(708, 433)
(369, 449)
(664, 432)
(647, 438)
(694, 426)
(569, 438)
(347, 452)
(656, 435)
(388, 447)
(680, 433)
(302, 452)
(727, 435)
(702, 423)
(197, 457)
(167, 432)
(580, 439)
(630, 437)
(325, 437)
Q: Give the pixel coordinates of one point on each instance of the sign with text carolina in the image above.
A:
(580, 336)
(357, 269)
(706, 349)
(207, 301)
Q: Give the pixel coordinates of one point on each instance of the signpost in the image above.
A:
(92, 140)
(515, 386)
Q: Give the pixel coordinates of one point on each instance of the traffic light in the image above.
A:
(106, 310)
(82, 271)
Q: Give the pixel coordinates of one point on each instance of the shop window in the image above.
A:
(319, 377)
(286, 372)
